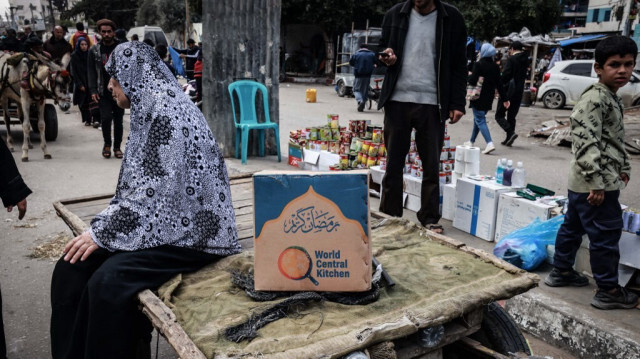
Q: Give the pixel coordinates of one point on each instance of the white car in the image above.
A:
(566, 80)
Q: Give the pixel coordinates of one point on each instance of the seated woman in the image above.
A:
(172, 213)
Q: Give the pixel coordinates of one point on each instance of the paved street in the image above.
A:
(77, 169)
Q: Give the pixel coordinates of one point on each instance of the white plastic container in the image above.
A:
(518, 179)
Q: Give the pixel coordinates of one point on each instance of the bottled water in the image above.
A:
(518, 179)
(508, 173)
(500, 170)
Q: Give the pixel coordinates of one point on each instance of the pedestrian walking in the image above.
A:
(485, 69)
(599, 170)
(363, 62)
(98, 81)
(81, 95)
(425, 84)
(78, 34)
(171, 213)
(514, 75)
(57, 46)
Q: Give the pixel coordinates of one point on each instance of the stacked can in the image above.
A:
(413, 163)
(447, 159)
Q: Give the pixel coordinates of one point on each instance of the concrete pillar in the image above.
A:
(241, 39)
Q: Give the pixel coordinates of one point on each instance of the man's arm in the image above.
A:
(459, 67)
(13, 190)
(507, 71)
(92, 75)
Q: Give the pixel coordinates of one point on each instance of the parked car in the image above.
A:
(154, 33)
(564, 83)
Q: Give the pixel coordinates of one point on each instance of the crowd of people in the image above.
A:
(89, 54)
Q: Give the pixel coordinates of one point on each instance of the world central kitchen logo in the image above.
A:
(296, 263)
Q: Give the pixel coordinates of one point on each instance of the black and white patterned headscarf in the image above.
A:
(173, 187)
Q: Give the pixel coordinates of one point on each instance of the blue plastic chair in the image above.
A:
(246, 92)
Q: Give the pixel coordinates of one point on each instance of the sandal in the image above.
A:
(434, 227)
(106, 151)
(118, 153)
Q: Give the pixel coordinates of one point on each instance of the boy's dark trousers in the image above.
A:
(603, 225)
(506, 118)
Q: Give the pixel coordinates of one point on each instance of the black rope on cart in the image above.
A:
(249, 329)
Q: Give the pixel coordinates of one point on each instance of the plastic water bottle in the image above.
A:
(508, 173)
(500, 170)
(518, 177)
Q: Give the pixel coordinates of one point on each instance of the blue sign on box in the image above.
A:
(312, 231)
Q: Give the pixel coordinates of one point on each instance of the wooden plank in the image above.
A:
(245, 233)
(74, 222)
(243, 203)
(86, 199)
(164, 320)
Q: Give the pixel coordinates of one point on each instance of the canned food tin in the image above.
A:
(344, 161)
(412, 156)
(420, 173)
(443, 177)
(452, 153)
(365, 158)
(335, 134)
(362, 126)
(358, 159)
(383, 164)
(333, 120)
(377, 135)
(413, 135)
(414, 170)
(412, 146)
(451, 164)
(313, 133)
(344, 148)
(418, 161)
(334, 146)
(323, 145)
(446, 142)
(448, 177)
(334, 168)
(371, 161)
(325, 134)
(353, 160)
(365, 146)
(407, 167)
(382, 150)
(444, 155)
(353, 125)
(373, 150)
(345, 136)
(359, 143)
(447, 165)
(369, 132)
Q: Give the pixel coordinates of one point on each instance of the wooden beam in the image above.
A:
(166, 323)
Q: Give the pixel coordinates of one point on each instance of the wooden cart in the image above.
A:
(497, 330)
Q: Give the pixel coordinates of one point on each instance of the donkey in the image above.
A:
(11, 68)
(42, 79)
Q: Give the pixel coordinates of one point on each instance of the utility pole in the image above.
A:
(186, 23)
(53, 19)
(13, 20)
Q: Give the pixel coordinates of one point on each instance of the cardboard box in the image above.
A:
(376, 174)
(312, 231)
(412, 185)
(295, 155)
(448, 201)
(515, 212)
(476, 206)
(412, 202)
(311, 159)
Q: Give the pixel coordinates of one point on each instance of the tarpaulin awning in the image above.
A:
(577, 40)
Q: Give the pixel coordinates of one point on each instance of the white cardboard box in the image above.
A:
(412, 185)
(448, 201)
(319, 161)
(515, 212)
(476, 206)
(412, 203)
(376, 174)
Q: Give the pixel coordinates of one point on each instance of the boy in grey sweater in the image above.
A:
(599, 170)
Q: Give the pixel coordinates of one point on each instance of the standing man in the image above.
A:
(28, 33)
(363, 62)
(513, 77)
(98, 80)
(425, 85)
(57, 46)
(190, 54)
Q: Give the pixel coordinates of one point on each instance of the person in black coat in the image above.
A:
(13, 192)
(81, 84)
(514, 76)
(487, 70)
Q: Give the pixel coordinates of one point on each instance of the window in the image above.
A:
(595, 16)
(581, 69)
(607, 15)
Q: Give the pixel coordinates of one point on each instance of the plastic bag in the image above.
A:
(526, 247)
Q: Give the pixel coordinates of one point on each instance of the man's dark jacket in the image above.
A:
(363, 63)
(95, 68)
(12, 187)
(451, 58)
(515, 69)
(57, 48)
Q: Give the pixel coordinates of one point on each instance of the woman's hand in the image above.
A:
(79, 248)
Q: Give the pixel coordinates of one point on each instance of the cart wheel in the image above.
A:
(500, 333)
(342, 89)
(51, 122)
